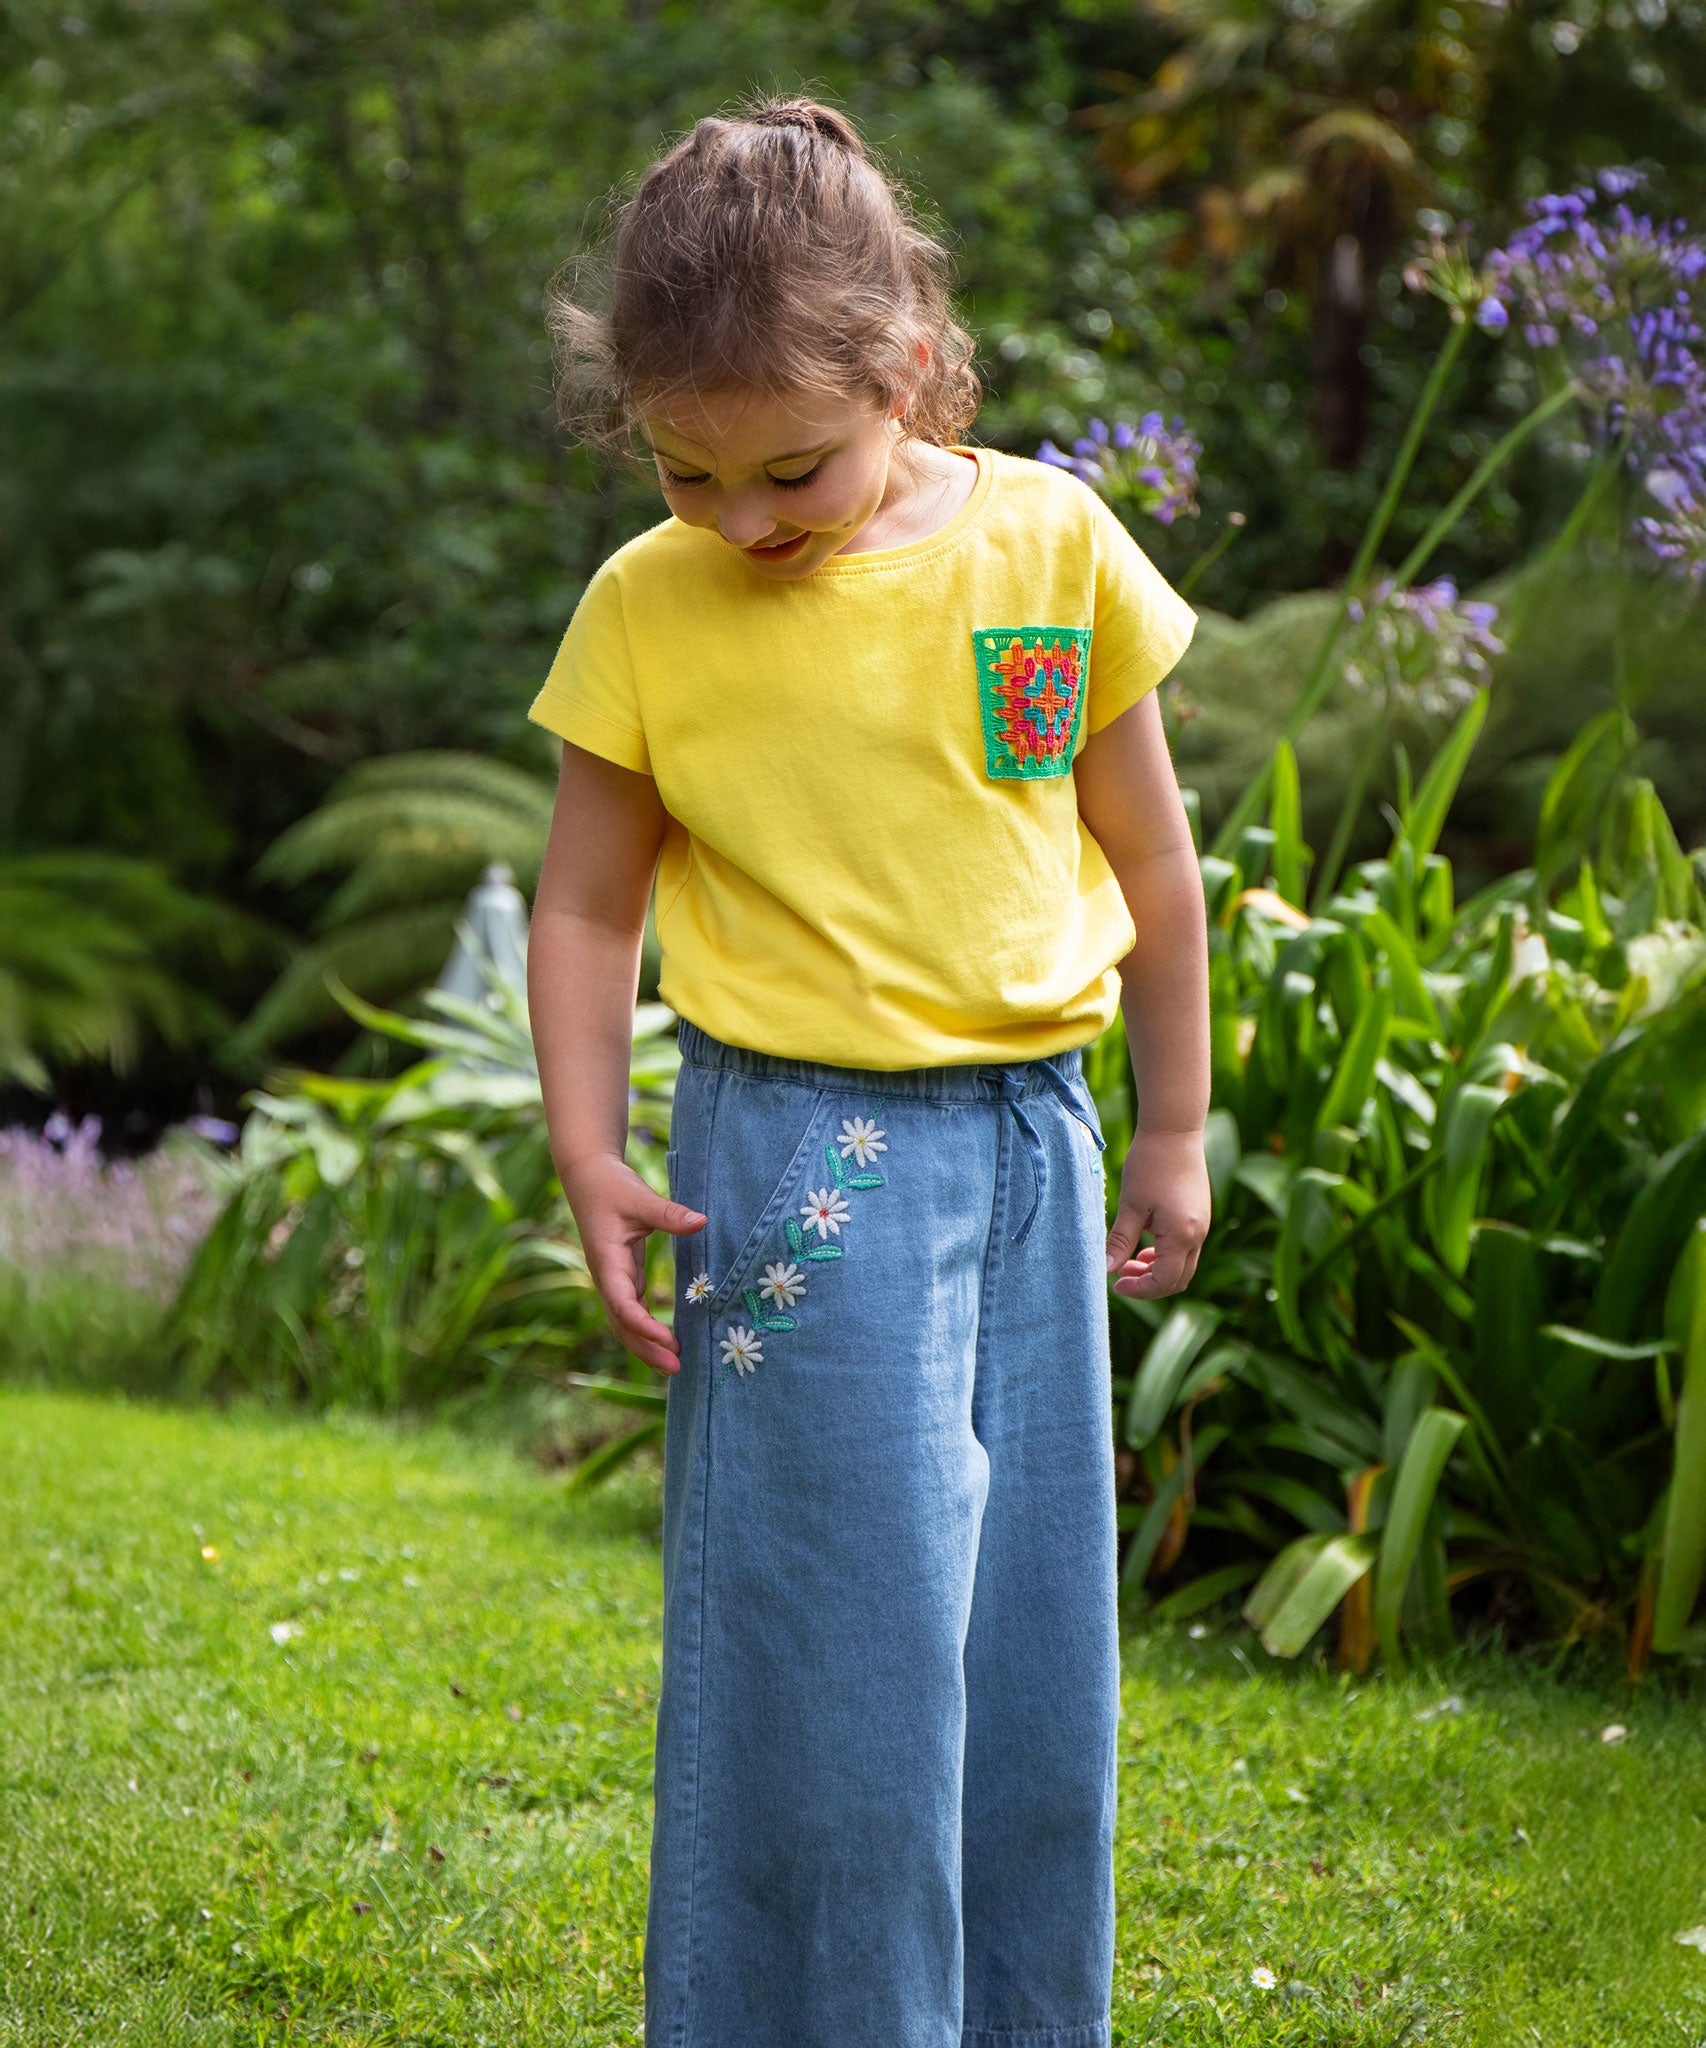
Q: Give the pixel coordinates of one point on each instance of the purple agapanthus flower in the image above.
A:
(1426, 646)
(1624, 295)
(1151, 466)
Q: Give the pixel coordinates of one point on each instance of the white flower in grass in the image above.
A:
(742, 1350)
(826, 1211)
(860, 1136)
(1263, 1978)
(282, 1631)
(699, 1287)
(783, 1283)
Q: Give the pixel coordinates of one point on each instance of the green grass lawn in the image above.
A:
(377, 1771)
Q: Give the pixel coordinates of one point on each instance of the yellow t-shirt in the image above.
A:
(874, 855)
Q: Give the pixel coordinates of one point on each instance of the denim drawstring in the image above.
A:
(1012, 1086)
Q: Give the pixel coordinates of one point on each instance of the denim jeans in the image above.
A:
(886, 1738)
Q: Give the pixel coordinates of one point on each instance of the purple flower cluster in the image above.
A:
(63, 1206)
(1623, 293)
(1151, 466)
(1426, 646)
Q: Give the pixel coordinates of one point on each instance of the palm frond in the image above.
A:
(95, 950)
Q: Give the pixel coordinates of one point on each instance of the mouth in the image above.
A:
(783, 551)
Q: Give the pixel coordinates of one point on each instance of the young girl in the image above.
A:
(877, 710)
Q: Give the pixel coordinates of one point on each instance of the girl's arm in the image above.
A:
(583, 971)
(1129, 801)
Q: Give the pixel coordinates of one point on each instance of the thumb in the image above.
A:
(675, 1217)
(1127, 1228)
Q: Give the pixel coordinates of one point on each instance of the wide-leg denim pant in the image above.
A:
(886, 1739)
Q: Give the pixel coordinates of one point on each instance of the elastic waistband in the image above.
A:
(991, 1081)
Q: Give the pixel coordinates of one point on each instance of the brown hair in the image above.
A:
(767, 252)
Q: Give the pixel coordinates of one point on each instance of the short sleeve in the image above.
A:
(1142, 624)
(589, 697)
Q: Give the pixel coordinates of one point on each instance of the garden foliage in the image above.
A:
(1448, 1334)
(393, 1242)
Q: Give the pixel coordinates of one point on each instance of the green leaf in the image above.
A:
(1409, 1393)
(1439, 786)
(1605, 1347)
(1225, 1361)
(1357, 1062)
(1285, 815)
(1310, 1223)
(1141, 1550)
(1299, 1500)
(1682, 1563)
(1285, 1571)
(1413, 998)
(1505, 1282)
(1184, 1333)
(1328, 1575)
(1652, 1238)
(1578, 796)
(1453, 1192)
(1204, 1592)
(1221, 1151)
(621, 1393)
(1431, 1441)
(608, 1458)
(1268, 1177)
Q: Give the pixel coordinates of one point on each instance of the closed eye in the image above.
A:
(671, 476)
(793, 483)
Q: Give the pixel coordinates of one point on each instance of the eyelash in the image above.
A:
(782, 483)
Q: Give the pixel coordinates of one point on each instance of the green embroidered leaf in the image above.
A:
(824, 1251)
(796, 1243)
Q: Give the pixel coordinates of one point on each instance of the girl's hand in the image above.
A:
(615, 1213)
(1163, 1190)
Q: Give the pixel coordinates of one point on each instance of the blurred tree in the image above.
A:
(1306, 133)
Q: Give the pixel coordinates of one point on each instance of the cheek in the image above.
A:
(853, 499)
(692, 508)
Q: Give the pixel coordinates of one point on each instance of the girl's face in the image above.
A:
(789, 481)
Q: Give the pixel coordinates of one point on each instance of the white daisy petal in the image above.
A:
(783, 1282)
(699, 1287)
(826, 1211)
(741, 1349)
(861, 1137)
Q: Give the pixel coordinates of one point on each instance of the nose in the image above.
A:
(743, 523)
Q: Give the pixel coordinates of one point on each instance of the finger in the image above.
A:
(1134, 1269)
(1175, 1260)
(629, 1317)
(1128, 1227)
(675, 1217)
(634, 1334)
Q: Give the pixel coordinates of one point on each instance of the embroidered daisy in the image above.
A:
(784, 1283)
(826, 1211)
(860, 1136)
(742, 1350)
(699, 1287)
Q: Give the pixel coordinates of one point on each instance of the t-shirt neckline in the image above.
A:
(927, 544)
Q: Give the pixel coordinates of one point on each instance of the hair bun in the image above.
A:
(827, 123)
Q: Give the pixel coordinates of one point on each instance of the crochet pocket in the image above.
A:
(1030, 685)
